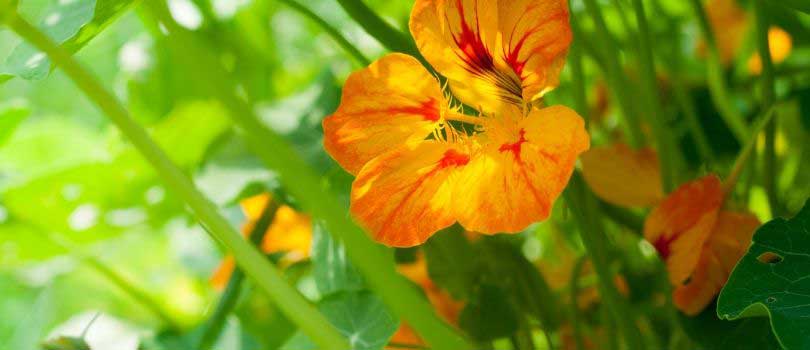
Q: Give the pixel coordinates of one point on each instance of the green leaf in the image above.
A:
(360, 316)
(11, 115)
(66, 343)
(773, 279)
(712, 333)
(799, 5)
(332, 270)
(489, 315)
(508, 268)
(451, 262)
(72, 24)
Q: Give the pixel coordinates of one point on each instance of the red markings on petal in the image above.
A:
(514, 147)
(453, 158)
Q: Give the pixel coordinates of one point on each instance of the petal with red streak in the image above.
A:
(494, 52)
(404, 196)
(515, 179)
(727, 244)
(392, 102)
(680, 225)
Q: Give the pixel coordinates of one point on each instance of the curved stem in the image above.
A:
(230, 296)
(765, 120)
(374, 262)
(289, 301)
(329, 29)
(768, 100)
(391, 38)
(717, 84)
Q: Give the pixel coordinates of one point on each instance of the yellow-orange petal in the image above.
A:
(728, 242)
(219, 279)
(515, 179)
(623, 176)
(780, 45)
(404, 196)
(494, 52)
(681, 224)
(392, 102)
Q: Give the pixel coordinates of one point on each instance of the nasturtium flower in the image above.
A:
(623, 176)
(780, 44)
(420, 163)
(699, 241)
(289, 233)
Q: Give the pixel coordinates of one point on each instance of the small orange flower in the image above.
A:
(623, 176)
(290, 232)
(422, 165)
(699, 241)
(779, 43)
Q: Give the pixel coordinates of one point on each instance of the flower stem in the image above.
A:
(586, 214)
(765, 120)
(666, 145)
(576, 325)
(289, 301)
(374, 262)
(391, 38)
(611, 66)
(330, 30)
(717, 85)
(213, 328)
(578, 80)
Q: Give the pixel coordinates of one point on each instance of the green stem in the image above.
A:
(666, 145)
(374, 262)
(717, 84)
(763, 123)
(768, 100)
(230, 296)
(391, 38)
(267, 276)
(113, 276)
(578, 80)
(587, 215)
(330, 30)
(579, 342)
(620, 88)
(687, 106)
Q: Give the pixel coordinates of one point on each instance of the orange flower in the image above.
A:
(623, 176)
(779, 44)
(699, 241)
(290, 232)
(422, 165)
(447, 307)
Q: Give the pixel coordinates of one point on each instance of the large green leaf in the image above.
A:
(451, 261)
(711, 333)
(773, 278)
(360, 316)
(11, 115)
(332, 270)
(70, 23)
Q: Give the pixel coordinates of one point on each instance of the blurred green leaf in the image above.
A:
(360, 316)
(66, 343)
(489, 315)
(70, 23)
(452, 262)
(11, 115)
(772, 279)
(332, 270)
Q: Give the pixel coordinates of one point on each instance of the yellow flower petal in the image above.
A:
(623, 176)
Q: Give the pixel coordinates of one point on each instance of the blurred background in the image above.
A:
(88, 232)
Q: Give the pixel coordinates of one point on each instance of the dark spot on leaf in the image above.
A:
(770, 300)
(770, 258)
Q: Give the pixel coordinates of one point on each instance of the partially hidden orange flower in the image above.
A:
(623, 176)
(699, 241)
(447, 307)
(779, 44)
(289, 233)
(421, 164)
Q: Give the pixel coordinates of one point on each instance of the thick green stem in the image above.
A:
(578, 80)
(587, 215)
(289, 301)
(666, 144)
(391, 38)
(576, 325)
(216, 323)
(373, 261)
(717, 84)
(329, 29)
